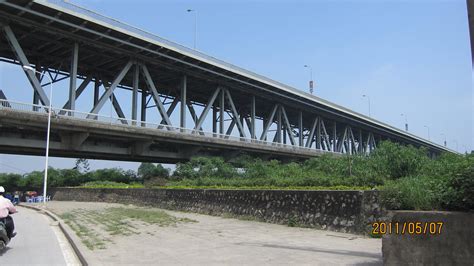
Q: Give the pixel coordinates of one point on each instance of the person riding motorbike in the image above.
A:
(7, 208)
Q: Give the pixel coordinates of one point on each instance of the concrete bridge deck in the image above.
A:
(23, 133)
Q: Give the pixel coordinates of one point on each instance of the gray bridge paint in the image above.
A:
(69, 42)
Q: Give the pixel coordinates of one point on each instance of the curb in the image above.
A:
(53, 216)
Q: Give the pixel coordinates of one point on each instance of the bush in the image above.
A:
(410, 193)
(408, 178)
(393, 160)
(110, 184)
(148, 171)
(113, 174)
(9, 181)
(457, 192)
(205, 167)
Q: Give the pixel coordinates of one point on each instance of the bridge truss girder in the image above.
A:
(254, 114)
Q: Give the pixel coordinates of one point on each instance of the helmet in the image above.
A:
(2, 189)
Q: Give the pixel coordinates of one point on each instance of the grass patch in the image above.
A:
(96, 227)
(158, 217)
(89, 237)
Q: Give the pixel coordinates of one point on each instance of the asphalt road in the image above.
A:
(38, 242)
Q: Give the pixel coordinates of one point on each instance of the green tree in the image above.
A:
(10, 181)
(112, 174)
(205, 167)
(32, 181)
(82, 165)
(147, 171)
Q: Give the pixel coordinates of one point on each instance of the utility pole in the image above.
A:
(406, 121)
(368, 98)
(311, 83)
(195, 25)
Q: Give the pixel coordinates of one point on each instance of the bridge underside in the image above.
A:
(216, 111)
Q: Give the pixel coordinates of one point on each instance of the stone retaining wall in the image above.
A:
(344, 211)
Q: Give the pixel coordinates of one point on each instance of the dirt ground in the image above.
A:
(207, 240)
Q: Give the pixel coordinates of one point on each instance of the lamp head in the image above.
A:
(29, 68)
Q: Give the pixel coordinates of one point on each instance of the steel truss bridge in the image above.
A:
(220, 109)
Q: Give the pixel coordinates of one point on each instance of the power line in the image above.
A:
(12, 167)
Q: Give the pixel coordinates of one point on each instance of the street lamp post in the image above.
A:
(195, 25)
(455, 141)
(45, 182)
(406, 121)
(310, 78)
(445, 142)
(427, 127)
(368, 98)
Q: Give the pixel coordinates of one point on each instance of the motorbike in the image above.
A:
(4, 240)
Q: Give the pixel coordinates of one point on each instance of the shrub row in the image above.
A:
(407, 176)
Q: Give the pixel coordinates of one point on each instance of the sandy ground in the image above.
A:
(215, 240)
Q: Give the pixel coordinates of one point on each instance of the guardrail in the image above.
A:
(73, 114)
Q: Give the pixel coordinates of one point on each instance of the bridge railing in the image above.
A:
(113, 120)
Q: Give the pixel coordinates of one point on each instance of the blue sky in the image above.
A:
(410, 57)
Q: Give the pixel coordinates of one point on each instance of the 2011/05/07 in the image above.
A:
(411, 228)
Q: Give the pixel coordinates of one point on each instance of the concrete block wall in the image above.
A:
(452, 245)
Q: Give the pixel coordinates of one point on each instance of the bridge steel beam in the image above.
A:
(110, 90)
(252, 118)
(236, 116)
(136, 82)
(288, 126)
(155, 94)
(36, 99)
(300, 129)
(207, 108)
(182, 115)
(77, 93)
(221, 113)
(73, 78)
(269, 122)
(20, 54)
